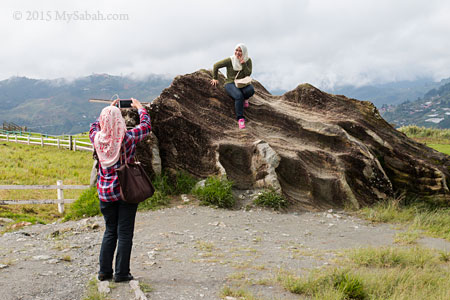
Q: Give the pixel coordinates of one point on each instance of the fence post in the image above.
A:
(15, 137)
(74, 144)
(58, 144)
(7, 137)
(42, 141)
(28, 140)
(60, 197)
(70, 142)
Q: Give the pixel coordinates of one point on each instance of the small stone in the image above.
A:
(185, 198)
(329, 216)
(3, 266)
(331, 225)
(53, 261)
(230, 298)
(41, 257)
(55, 233)
(20, 225)
(285, 234)
(103, 287)
(330, 210)
(95, 226)
(6, 220)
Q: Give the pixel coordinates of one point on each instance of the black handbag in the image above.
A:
(135, 185)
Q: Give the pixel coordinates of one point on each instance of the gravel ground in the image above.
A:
(185, 252)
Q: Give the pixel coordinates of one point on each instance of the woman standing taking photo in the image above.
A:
(111, 138)
(238, 66)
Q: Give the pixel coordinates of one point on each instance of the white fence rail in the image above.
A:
(59, 187)
(71, 143)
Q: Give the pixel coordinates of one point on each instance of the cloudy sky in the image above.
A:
(323, 42)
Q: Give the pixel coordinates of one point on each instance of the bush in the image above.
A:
(163, 185)
(217, 191)
(270, 198)
(158, 200)
(180, 183)
(87, 205)
(184, 183)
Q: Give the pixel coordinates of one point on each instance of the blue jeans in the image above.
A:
(239, 95)
(119, 220)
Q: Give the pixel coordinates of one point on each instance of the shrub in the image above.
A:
(163, 185)
(158, 200)
(184, 183)
(217, 191)
(270, 198)
(87, 205)
(180, 183)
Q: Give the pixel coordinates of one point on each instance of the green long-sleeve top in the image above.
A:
(231, 73)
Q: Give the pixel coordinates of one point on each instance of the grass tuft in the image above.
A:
(270, 198)
(377, 273)
(217, 192)
(87, 205)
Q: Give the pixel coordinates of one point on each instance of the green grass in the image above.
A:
(87, 205)
(92, 292)
(433, 218)
(36, 165)
(438, 139)
(413, 131)
(377, 273)
(179, 183)
(238, 293)
(217, 192)
(157, 201)
(270, 198)
(165, 186)
(444, 148)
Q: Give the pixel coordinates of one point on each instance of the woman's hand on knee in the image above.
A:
(214, 82)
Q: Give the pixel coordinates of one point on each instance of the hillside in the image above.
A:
(433, 110)
(30, 102)
(391, 93)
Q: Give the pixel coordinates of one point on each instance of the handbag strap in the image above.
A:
(235, 77)
(125, 152)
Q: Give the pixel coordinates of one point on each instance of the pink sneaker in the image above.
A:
(246, 103)
(241, 123)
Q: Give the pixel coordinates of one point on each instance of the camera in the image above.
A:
(125, 103)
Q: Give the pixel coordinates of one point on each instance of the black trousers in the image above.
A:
(119, 220)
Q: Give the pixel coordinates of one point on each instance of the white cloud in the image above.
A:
(323, 42)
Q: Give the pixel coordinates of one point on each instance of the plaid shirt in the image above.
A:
(107, 181)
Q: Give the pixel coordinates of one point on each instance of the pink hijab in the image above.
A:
(108, 140)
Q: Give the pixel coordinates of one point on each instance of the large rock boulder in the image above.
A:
(318, 149)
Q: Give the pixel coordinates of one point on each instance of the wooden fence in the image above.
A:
(59, 187)
(71, 143)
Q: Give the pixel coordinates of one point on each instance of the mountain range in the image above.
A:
(61, 106)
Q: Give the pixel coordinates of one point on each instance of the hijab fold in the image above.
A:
(108, 140)
(237, 66)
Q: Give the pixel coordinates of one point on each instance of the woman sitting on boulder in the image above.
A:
(110, 138)
(238, 66)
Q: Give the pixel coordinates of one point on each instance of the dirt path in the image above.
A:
(185, 252)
